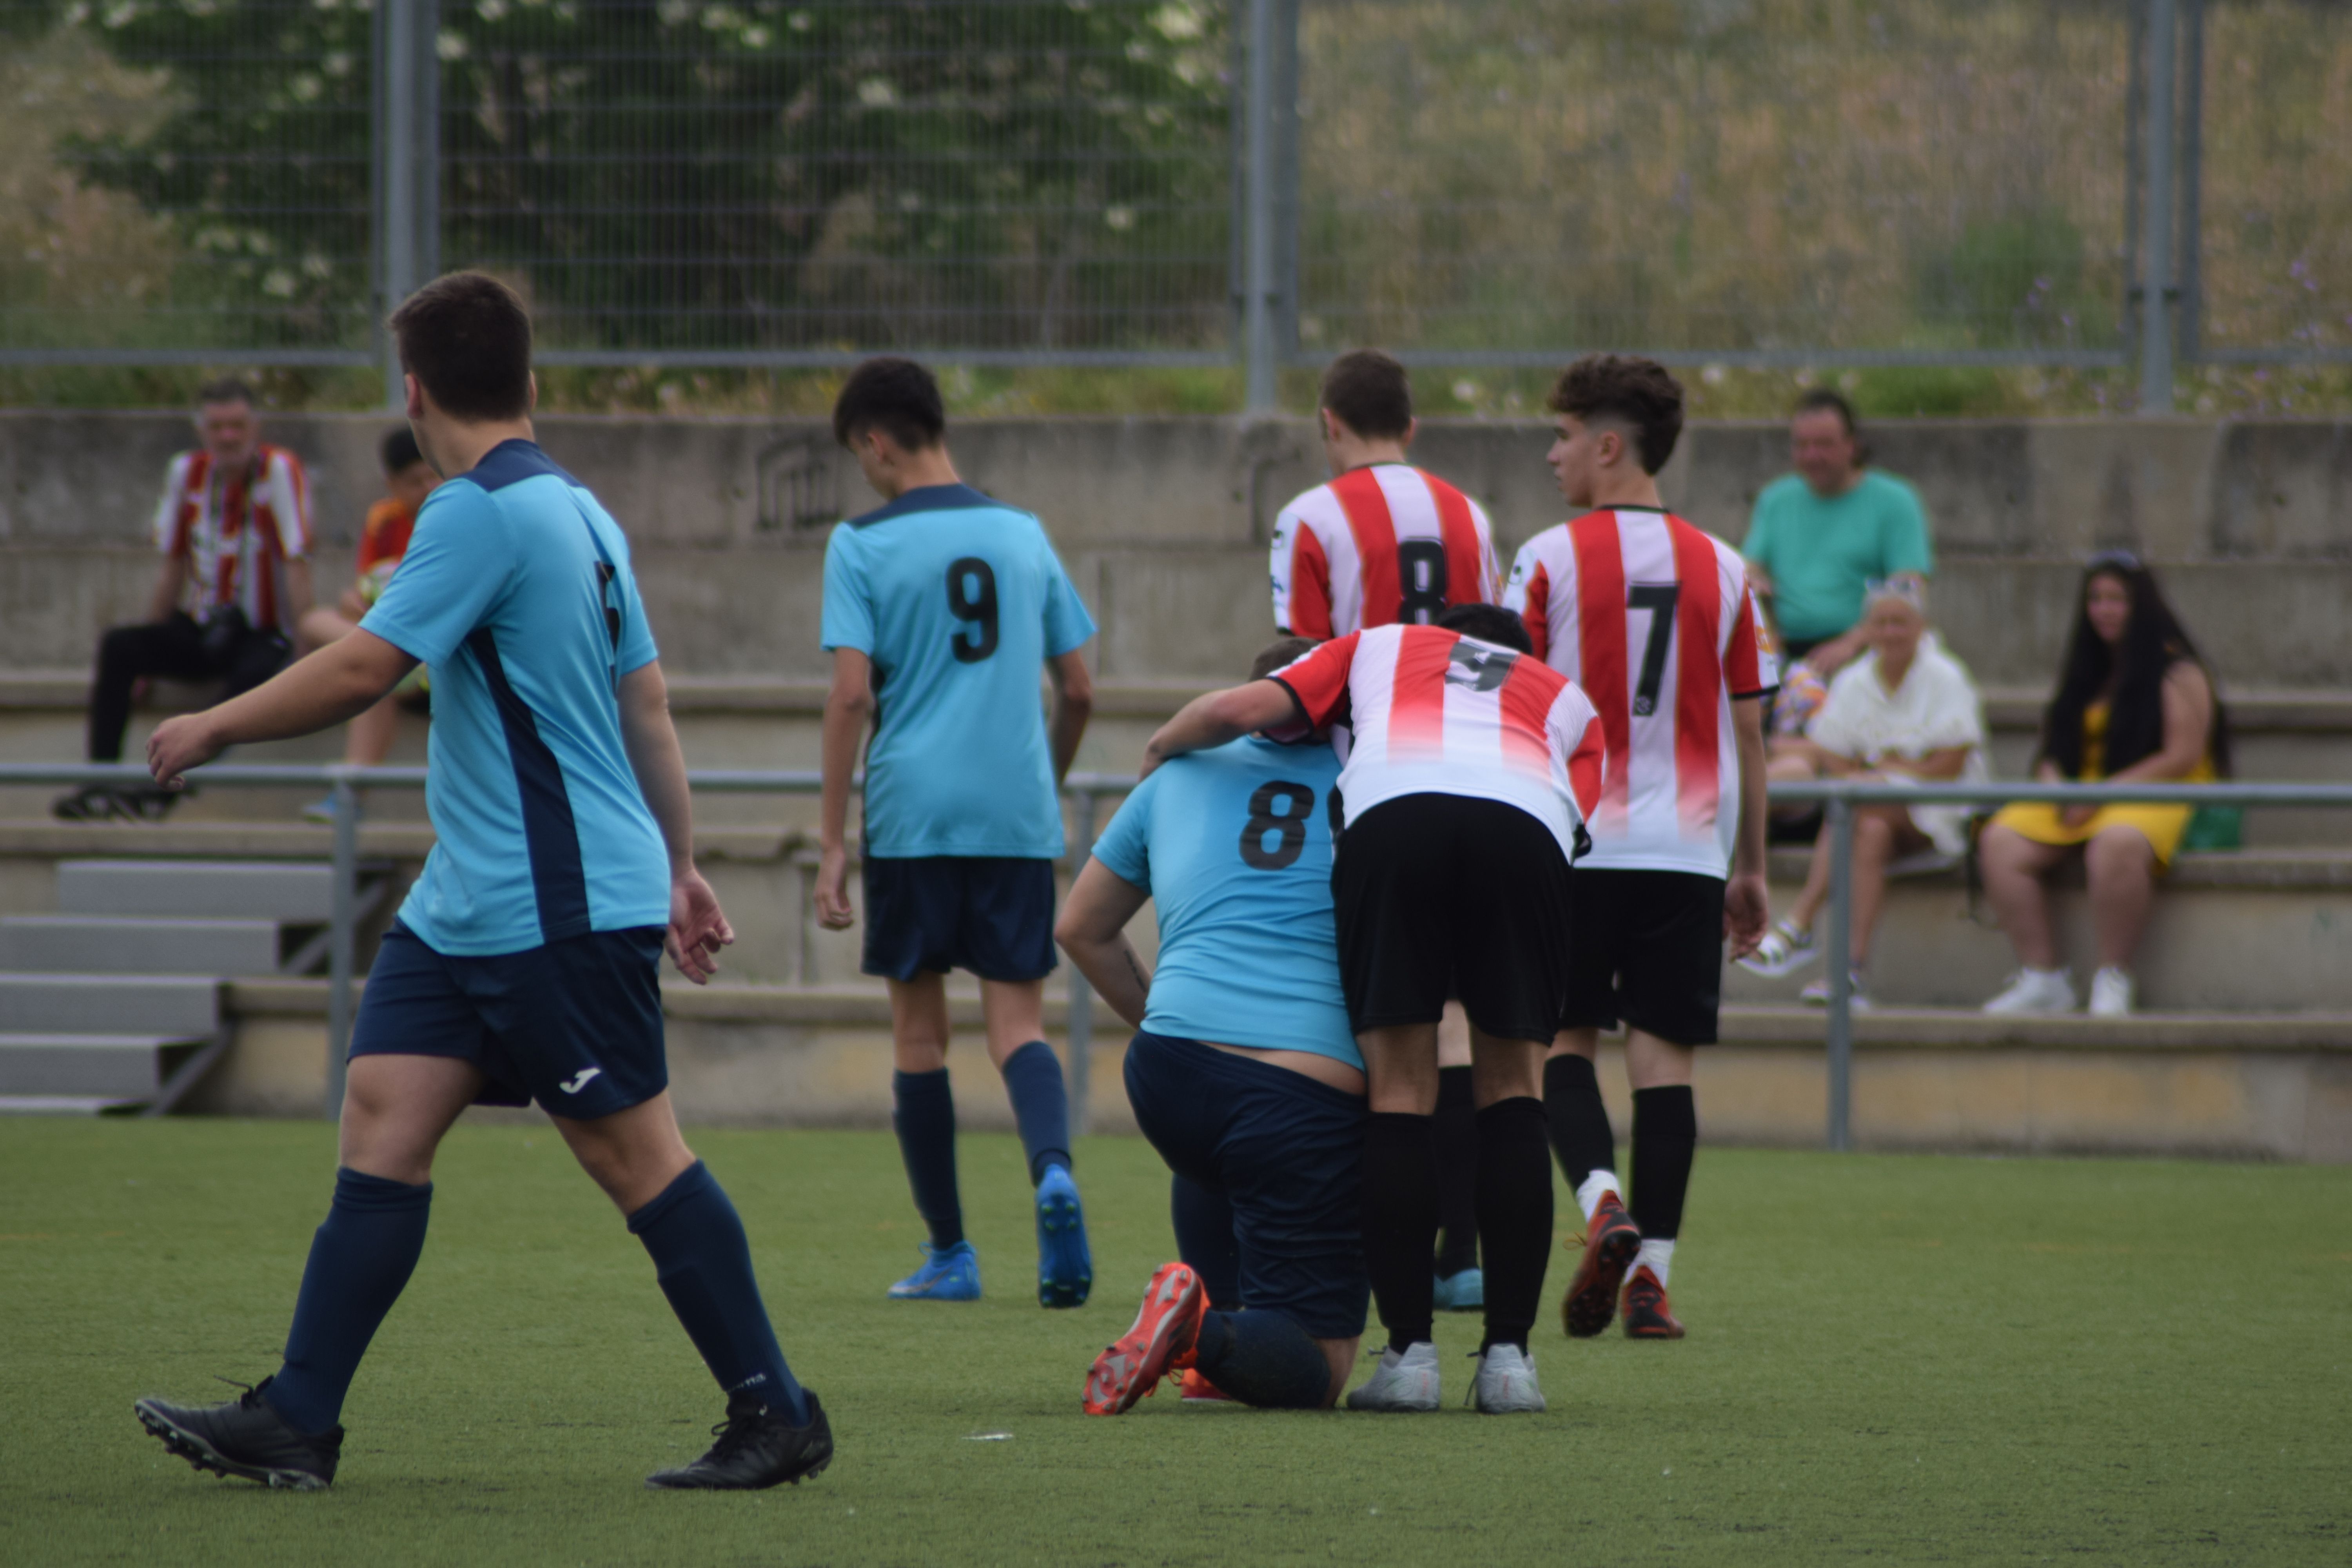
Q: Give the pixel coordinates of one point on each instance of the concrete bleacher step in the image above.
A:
(94, 1067)
(109, 1004)
(293, 892)
(132, 944)
(68, 1104)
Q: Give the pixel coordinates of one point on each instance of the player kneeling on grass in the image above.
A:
(1242, 1072)
(524, 964)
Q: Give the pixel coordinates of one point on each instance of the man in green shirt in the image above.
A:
(1821, 533)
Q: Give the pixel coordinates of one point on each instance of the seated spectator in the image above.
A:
(2134, 701)
(1818, 535)
(1788, 755)
(1905, 711)
(408, 478)
(233, 528)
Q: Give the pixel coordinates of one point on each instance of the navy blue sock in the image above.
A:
(1204, 1238)
(360, 1260)
(704, 1264)
(1264, 1359)
(923, 1112)
(1033, 1078)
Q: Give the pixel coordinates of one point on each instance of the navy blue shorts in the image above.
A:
(1285, 1151)
(575, 1024)
(991, 914)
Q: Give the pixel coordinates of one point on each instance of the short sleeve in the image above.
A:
(1319, 680)
(458, 562)
(170, 538)
(1749, 668)
(1902, 532)
(1528, 595)
(1125, 846)
(1302, 578)
(636, 649)
(848, 618)
(1833, 728)
(1957, 719)
(1068, 625)
(289, 503)
(1758, 546)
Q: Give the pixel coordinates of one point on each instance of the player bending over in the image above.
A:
(1242, 1072)
(1471, 765)
(1654, 620)
(939, 609)
(524, 963)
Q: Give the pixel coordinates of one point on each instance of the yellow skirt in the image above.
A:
(2162, 826)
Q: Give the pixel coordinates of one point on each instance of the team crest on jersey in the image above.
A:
(1478, 667)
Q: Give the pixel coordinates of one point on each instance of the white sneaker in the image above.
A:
(1507, 1383)
(1406, 1381)
(1784, 950)
(2032, 991)
(1817, 993)
(2111, 993)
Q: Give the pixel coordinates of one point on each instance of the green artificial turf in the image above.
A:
(1895, 1359)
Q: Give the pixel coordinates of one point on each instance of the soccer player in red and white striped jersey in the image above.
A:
(1383, 541)
(1473, 768)
(1654, 619)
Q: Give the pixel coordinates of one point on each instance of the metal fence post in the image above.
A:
(1257, 307)
(407, 127)
(2156, 251)
(342, 945)
(1839, 958)
(1082, 995)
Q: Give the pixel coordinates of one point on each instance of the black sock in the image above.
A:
(1204, 1238)
(1513, 1216)
(1041, 1107)
(1580, 1123)
(360, 1262)
(704, 1263)
(1401, 1221)
(1264, 1359)
(923, 1111)
(1665, 1137)
(1456, 1134)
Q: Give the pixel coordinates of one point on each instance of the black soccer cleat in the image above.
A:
(246, 1437)
(757, 1447)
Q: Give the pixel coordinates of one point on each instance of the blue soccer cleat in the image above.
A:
(1462, 1292)
(947, 1274)
(1066, 1266)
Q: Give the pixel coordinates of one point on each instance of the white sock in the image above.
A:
(1657, 1257)
(1598, 1185)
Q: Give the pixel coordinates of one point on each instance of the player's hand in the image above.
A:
(179, 744)
(1747, 910)
(698, 927)
(832, 910)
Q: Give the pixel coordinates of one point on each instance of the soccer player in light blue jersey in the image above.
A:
(1243, 1072)
(940, 608)
(524, 964)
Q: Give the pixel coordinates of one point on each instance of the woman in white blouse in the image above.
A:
(1906, 711)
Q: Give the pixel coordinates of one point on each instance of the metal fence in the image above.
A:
(780, 182)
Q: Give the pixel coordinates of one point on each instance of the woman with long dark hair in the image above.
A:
(2134, 703)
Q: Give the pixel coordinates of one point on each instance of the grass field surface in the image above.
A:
(1891, 1359)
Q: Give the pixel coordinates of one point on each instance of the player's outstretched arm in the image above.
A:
(1093, 930)
(847, 708)
(1746, 908)
(1220, 717)
(698, 927)
(1074, 704)
(337, 682)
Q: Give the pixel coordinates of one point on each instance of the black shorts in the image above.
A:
(1286, 1151)
(993, 915)
(1647, 951)
(575, 1024)
(1443, 896)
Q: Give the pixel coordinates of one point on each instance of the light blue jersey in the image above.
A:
(958, 600)
(516, 591)
(1234, 847)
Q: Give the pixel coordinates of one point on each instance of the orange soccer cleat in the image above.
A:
(1159, 1342)
(1610, 1244)
(1648, 1314)
(1199, 1390)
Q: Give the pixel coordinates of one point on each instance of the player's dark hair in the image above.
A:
(467, 338)
(225, 389)
(400, 451)
(1487, 623)
(2153, 642)
(1371, 394)
(896, 396)
(1281, 651)
(1637, 391)
(1818, 398)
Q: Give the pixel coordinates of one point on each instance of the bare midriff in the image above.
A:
(1321, 1068)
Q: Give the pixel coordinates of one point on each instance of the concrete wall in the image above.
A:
(1164, 521)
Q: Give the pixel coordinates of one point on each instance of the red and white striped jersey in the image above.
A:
(1654, 620)
(236, 531)
(1380, 545)
(1436, 712)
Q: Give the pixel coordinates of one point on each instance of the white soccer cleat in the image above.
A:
(1784, 950)
(1404, 1382)
(2034, 990)
(1506, 1383)
(1857, 999)
(2111, 993)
